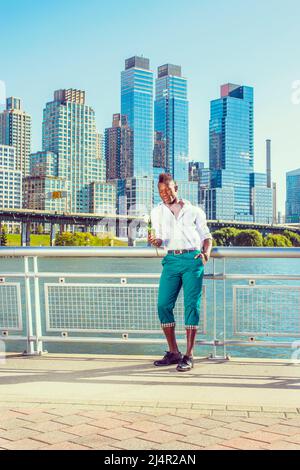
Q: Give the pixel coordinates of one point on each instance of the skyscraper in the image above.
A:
(293, 196)
(261, 198)
(100, 156)
(195, 169)
(135, 191)
(15, 130)
(137, 105)
(10, 179)
(69, 131)
(231, 147)
(119, 149)
(171, 119)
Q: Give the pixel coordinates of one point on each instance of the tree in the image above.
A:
(293, 237)
(225, 236)
(249, 238)
(40, 229)
(3, 238)
(80, 239)
(275, 240)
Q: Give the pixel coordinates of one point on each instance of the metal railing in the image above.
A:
(40, 306)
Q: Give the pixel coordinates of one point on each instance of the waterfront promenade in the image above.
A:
(124, 402)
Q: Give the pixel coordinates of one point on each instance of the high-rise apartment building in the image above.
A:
(119, 149)
(10, 179)
(100, 155)
(44, 189)
(15, 130)
(69, 131)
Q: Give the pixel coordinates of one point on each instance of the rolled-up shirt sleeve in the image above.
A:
(201, 225)
(156, 223)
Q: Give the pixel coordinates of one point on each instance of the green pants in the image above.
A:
(180, 271)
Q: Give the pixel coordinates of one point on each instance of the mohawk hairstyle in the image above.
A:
(165, 178)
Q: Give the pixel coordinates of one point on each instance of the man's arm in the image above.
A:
(155, 238)
(207, 247)
(205, 235)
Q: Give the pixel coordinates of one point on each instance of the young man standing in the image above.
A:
(182, 229)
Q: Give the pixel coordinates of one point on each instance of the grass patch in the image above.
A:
(35, 240)
(44, 240)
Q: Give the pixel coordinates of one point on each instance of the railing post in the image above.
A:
(38, 325)
(224, 311)
(214, 355)
(215, 309)
(52, 234)
(30, 345)
(25, 234)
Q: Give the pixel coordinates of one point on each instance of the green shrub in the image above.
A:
(249, 238)
(86, 239)
(293, 237)
(3, 238)
(275, 240)
(225, 236)
(40, 229)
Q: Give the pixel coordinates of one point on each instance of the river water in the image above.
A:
(124, 265)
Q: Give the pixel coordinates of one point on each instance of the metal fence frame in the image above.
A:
(35, 338)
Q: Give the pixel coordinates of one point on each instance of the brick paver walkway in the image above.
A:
(109, 427)
(124, 402)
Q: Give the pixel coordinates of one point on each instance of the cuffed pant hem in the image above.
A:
(167, 325)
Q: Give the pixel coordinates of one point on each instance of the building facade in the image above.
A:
(137, 105)
(231, 155)
(100, 155)
(15, 130)
(119, 149)
(103, 197)
(218, 203)
(261, 198)
(195, 170)
(171, 119)
(292, 207)
(44, 189)
(69, 131)
(10, 179)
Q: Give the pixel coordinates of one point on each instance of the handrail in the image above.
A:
(140, 252)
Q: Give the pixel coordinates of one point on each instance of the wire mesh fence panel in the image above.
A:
(266, 310)
(109, 308)
(10, 307)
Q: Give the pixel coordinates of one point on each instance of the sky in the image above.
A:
(56, 44)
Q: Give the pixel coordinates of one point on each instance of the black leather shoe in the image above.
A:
(186, 363)
(169, 359)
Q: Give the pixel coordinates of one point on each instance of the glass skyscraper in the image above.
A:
(293, 196)
(135, 191)
(137, 105)
(231, 147)
(171, 121)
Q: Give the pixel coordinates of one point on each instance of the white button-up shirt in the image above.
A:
(188, 231)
